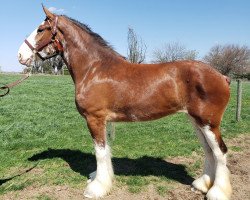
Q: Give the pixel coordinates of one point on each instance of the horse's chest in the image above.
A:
(92, 97)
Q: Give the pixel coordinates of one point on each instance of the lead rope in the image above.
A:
(4, 87)
(7, 87)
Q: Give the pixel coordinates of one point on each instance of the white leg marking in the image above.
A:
(221, 189)
(205, 182)
(101, 182)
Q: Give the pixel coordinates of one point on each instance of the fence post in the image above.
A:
(239, 98)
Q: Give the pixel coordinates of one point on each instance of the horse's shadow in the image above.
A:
(84, 163)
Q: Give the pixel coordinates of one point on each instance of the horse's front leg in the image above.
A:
(101, 180)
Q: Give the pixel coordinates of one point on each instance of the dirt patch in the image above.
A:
(238, 163)
(45, 192)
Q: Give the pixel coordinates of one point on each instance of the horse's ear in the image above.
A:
(49, 14)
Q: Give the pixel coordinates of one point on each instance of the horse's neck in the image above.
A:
(80, 55)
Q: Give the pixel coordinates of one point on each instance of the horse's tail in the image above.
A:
(228, 80)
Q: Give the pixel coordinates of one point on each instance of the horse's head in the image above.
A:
(44, 42)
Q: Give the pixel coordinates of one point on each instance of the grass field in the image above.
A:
(41, 130)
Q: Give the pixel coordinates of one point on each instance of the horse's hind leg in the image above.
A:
(221, 189)
(205, 182)
(101, 181)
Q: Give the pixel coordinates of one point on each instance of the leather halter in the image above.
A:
(51, 40)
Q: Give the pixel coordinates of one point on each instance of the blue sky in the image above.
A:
(197, 24)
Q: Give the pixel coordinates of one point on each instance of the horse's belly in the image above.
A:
(145, 111)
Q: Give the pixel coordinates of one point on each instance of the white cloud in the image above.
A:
(57, 10)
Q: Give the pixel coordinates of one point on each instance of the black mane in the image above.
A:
(87, 29)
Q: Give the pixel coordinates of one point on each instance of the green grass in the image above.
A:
(162, 190)
(40, 126)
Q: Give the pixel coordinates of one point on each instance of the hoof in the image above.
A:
(91, 177)
(196, 191)
(96, 189)
(202, 184)
(215, 193)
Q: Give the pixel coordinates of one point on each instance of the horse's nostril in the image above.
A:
(19, 56)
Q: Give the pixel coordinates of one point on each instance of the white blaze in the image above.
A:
(25, 54)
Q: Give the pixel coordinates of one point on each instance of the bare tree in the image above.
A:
(136, 47)
(173, 52)
(56, 64)
(229, 59)
(37, 66)
(53, 65)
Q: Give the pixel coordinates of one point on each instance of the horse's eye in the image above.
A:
(39, 30)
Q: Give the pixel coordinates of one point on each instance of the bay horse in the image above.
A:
(110, 89)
